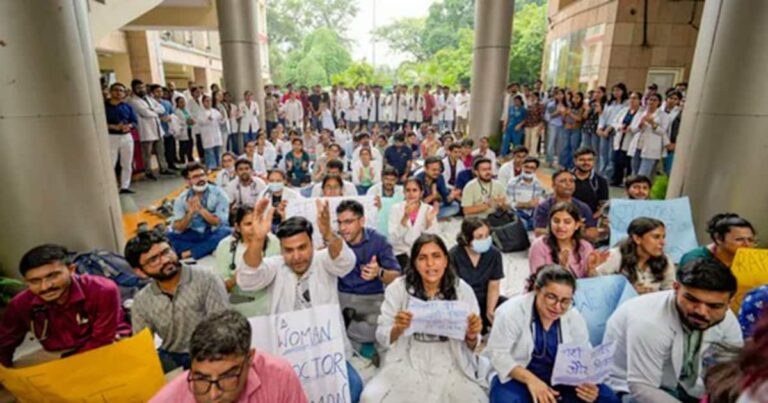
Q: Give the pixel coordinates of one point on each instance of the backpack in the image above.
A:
(114, 267)
(508, 232)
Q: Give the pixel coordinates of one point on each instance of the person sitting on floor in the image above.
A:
(525, 192)
(361, 292)
(525, 338)
(483, 195)
(435, 189)
(245, 190)
(335, 168)
(564, 244)
(67, 313)
(225, 368)
(563, 184)
(301, 277)
(409, 219)
(728, 232)
(176, 301)
(200, 215)
(423, 367)
(480, 265)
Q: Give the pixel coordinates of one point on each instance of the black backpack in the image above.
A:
(508, 231)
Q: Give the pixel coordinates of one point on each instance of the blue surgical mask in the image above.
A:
(276, 187)
(481, 245)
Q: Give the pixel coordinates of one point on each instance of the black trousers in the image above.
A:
(481, 300)
(170, 151)
(199, 146)
(185, 152)
(622, 167)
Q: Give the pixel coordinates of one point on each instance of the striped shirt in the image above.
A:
(174, 317)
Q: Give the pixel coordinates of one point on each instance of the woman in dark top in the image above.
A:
(479, 264)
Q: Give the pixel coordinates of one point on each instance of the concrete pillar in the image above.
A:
(203, 77)
(144, 53)
(490, 65)
(57, 182)
(723, 142)
(240, 49)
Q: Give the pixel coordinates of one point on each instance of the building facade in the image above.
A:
(602, 42)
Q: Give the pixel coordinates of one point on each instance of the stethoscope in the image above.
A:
(532, 325)
(40, 309)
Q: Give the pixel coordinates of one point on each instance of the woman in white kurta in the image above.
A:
(409, 219)
(423, 367)
(209, 121)
(650, 144)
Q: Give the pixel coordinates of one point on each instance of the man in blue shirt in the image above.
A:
(435, 189)
(120, 121)
(400, 157)
(163, 96)
(200, 215)
(361, 292)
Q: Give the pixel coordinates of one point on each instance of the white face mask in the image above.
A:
(527, 176)
(276, 187)
(200, 188)
(482, 245)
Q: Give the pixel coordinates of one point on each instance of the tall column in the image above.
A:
(723, 142)
(490, 64)
(240, 49)
(144, 54)
(57, 182)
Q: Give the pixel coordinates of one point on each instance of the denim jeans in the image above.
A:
(668, 162)
(516, 392)
(553, 134)
(213, 157)
(570, 140)
(605, 156)
(449, 210)
(643, 166)
(199, 245)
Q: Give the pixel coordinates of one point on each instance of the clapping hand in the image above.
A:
(371, 270)
(432, 214)
(565, 257)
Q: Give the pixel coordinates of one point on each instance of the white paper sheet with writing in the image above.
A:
(307, 208)
(578, 364)
(442, 318)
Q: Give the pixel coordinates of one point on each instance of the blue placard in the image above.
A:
(674, 213)
(597, 297)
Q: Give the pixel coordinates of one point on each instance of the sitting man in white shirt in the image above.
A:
(661, 336)
(244, 190)
(512, 168)
(485, 151)
(300, 277)
(334, 167)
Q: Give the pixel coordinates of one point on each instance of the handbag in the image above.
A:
(508, 231)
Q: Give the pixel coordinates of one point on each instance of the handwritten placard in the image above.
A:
(750, 266)
(597, 297)
(674, 213)
(441, 318)
(579, 364)
(126, 371)
(307, 208)
(312, 341)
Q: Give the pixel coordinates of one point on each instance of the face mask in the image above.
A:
(481, 245)
(200, 188)
(526, 176)
(276, 187)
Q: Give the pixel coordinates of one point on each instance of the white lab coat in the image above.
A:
(270, 156)
(376, 157)
(649, 345)
(651, 143)
(511, 342)
(224, 177)
(416, 105)
(402, 237)
(209, 121)
(241, 195)
(148, 113)
(353, 111)
(447, 170)
(342, 104)
(376, 190)
(195, 107)
(287, 194)
(294, 113)
(178, 125)
(373, 102)
(506, 173)
(399, 108)
(357, 178)
(462, 105)
(234, 117)
(488, 154)
(447, 107)
(249, 117)
(350, 190)
(361, 105)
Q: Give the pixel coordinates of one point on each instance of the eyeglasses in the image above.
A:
(552, 300)
(153, 260)
(225, 383)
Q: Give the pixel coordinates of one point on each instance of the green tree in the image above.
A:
(290, 20)
(404, 36)
(528, 33)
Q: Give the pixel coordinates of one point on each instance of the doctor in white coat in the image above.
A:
(525, 336)
(148, 113)
(661, 337)
(377, 108)
(249, 116)
(300, 277)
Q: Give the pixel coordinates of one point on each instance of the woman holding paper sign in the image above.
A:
(641, 258)
(525, 337)
(421, 367)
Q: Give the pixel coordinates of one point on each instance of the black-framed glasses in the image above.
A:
(225, 383)
(153, 260)
(552, 300)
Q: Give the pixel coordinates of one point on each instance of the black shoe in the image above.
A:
(126, 191)
(151, 176)
(168, 172)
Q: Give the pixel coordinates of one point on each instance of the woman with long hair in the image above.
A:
(230, 250)
(480, 264)
(563, 244)
(625, 132)
(640, 257)
(728, 232)
(605, 130)
(424, 367)
(572, 122)
(556, 110)
(650, 143)
(589, 137)
(523, 344)
(409, 219)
